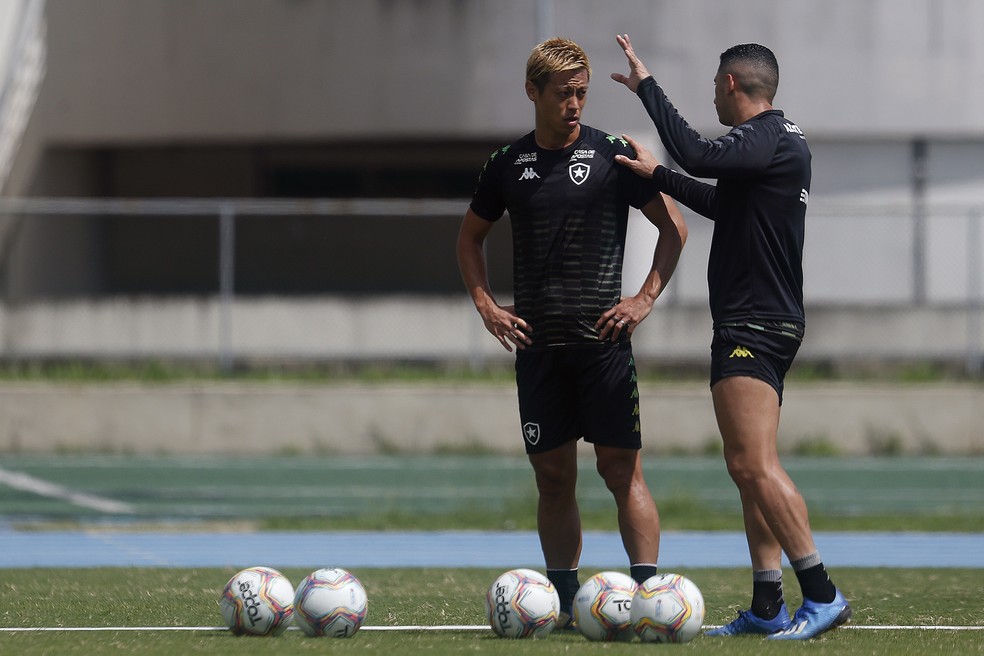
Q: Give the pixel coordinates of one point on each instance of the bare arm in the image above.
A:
(663, 213)
(501, 321)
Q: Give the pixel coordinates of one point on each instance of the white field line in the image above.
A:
(42, 629)
(447, 627)
(27, 483)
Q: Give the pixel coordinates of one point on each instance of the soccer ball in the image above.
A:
(257, 601)
(667, 608)
(522, 603)
(602, 607)
(330, 602)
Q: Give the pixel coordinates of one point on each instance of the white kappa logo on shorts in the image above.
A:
(531, 432)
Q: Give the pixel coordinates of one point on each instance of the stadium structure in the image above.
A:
(283, 179)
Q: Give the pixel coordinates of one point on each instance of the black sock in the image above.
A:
(766, 593)
(565, 580)
(813, 579)
(642, 571)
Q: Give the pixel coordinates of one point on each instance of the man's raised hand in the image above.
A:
(637, 70)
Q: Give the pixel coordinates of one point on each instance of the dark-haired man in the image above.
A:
(755, 285)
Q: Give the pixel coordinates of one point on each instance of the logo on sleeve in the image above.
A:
(579, 172)
(794, 129)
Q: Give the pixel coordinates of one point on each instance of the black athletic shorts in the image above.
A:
(759, 350)
(569, 392)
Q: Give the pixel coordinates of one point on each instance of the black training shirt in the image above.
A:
(569, 210)
(762, 167)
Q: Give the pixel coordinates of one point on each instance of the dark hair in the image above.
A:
(755, 69)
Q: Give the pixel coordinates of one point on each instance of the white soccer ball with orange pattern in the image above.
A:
(602, 606)
(667, 608)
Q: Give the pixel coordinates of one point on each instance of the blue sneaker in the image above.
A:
(750, 623)
(814, 618)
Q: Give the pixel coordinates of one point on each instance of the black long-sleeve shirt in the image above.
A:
(762, 167)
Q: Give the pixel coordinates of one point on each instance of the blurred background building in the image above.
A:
(282, 180)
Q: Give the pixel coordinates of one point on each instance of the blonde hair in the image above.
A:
(554, 56)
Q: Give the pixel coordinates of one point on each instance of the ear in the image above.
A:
(531, 90)
(730, 83)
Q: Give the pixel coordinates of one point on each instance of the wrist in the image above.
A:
(646, 82)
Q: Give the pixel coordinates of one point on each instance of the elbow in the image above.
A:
(675, 221)
(681, 225)
(683, 232)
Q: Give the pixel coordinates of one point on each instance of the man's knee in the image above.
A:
(619, 469)
(554, 476)
(741, 471)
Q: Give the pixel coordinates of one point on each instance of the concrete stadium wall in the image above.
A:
(240, 419)
(227, 69)
(129, 86)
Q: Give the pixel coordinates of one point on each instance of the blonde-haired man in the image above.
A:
(568, 204)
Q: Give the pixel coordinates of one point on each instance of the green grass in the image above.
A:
(676, 514)
(650, 371)
(156, 372)
(399, 597)
(399, 492)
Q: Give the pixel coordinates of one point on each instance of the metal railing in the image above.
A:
(864, 299)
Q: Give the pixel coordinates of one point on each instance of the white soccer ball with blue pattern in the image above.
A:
(330, 602)
(522, 603)
(257, 601)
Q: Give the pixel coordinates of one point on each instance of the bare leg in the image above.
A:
(775, 514)
(557, 516)
(763, 547)
(638, 518)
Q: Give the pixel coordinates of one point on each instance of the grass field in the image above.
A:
(149, 598)
(124, 610)
(430, 492)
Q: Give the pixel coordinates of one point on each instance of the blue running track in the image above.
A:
(107, 548)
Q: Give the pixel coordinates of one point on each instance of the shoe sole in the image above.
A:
(842, 618)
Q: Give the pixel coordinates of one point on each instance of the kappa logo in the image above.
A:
(741, 352)
(531, 431)
(528, 174)
(579, 172)
(792, 128)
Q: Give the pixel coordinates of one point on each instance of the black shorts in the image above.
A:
(569, 392)
(761, 350)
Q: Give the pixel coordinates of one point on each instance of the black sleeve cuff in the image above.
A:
(649, 81)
